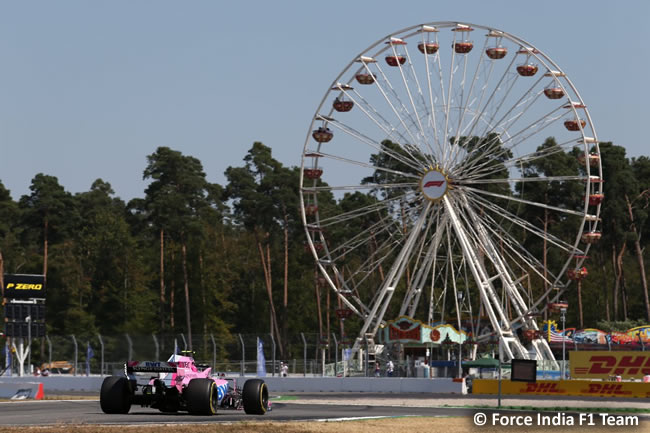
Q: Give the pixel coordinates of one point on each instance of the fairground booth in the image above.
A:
(422, 350)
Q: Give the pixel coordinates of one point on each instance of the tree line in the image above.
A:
(198, 257)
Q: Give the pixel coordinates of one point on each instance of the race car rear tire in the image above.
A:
(201, 397)
(256, 397)
(115, 395)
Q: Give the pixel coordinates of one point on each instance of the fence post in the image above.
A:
(243, 356)
(336, 355)
(273, 342)
(214, 354)
(365, 359)
(184, 342)
(49, 349)
(155, 342)
(638, 334)
(101, 344)
(304, 353)
(130, 344)
(76, 353)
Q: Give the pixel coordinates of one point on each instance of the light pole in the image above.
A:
(459, 307)
(563, 318)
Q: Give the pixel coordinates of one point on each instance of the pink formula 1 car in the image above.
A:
(181, 385)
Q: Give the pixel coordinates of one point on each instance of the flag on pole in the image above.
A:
(89, 355)
(7, 360)
(261, 361)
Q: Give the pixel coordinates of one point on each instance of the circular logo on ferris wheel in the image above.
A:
(434, 185)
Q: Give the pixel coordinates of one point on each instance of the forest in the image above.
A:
(197, 257)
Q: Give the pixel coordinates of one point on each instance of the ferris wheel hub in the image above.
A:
(434, 184)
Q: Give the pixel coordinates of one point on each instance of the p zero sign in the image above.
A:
(604, 365)
(24, 286)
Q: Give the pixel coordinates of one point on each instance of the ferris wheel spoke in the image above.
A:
(494, 151)
(414, 286)
(529, 227)
(395, 274)
(368, 165)
(447, 111)
(453, 281)
(361, 239)
(371, 232)
(389, 89)
(412, 300)
(427, 110)
(431, 109)
(510, 84)
(519, 200)
(483, 181)
(367, 270)
(380, 121)
(481, 64)
(534, 128)
(510, 284)
(471, 247)
(375, 116)
(361, 212)
(378, 186)
(480, 113)
(514, 245)
(412, 101)
(526, 100)
(519, 161)
(412, 162)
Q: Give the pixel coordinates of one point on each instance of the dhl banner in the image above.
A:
(583, 388)
(605, 365)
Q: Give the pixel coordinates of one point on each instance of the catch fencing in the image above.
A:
(243, 354)
(307, 354)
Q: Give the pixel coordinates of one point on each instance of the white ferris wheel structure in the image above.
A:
(438, 126)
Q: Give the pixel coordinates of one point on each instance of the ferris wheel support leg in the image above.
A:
(544, 350)
(541, 346)
(489, 298)
(382, 301)
(412, 298)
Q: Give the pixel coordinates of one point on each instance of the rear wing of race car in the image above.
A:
(151, 367)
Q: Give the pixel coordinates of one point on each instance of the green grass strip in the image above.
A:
(284, 398)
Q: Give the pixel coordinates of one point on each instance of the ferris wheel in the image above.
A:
(468, 178)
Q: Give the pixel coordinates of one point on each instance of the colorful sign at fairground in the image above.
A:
(605, 365)
(588, 336)
(407, 330)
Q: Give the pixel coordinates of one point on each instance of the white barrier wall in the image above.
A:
(58, 384)
(64, 383)
(364, 384)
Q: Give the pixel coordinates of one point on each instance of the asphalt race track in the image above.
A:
(48, 412)
(305, 407)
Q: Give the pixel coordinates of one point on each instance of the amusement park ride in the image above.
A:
(444, 137)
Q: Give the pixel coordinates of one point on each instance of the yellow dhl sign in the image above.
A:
(23, 286)
(604, 365)
(563, 387)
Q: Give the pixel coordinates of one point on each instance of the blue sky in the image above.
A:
(89, 88)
